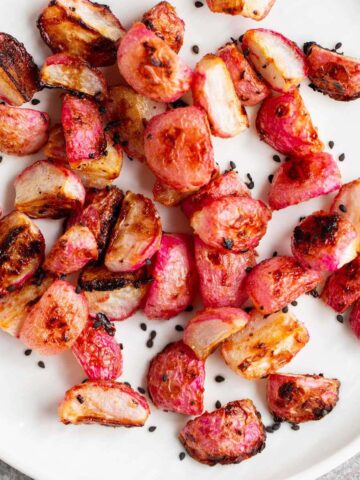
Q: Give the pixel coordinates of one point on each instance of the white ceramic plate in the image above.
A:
(31, 437)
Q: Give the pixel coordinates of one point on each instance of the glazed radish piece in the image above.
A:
(22, 249)
(222, 275)
(178, 148)
(332, 73)
(301, 398)
(163, 20)
(230, 434)
(224, 185)
(16, 305)
(136, 236)
(354, 319)
(81, 27)
(175, 380)
(116, 295)
(172, 288)
(129, 113)
(23, 131)
(342, 288)
(285, 124)
(72, 251)
(346, 204)
(255, 9)
(83, 130)
(265, 345)
(19, 75)
(278, 59)
(72, 73)
(97, 351)
(55, 148)
(277, 281)
(204, 332)
(249, 87)
(166, 195)
(302, 178)
(231, 223)
(213, 90)
(105, 402)
(324, 241)
(151, 67)
(48, 190)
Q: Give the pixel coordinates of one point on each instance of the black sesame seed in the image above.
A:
(285, 310)
(121, 346)
(148, 261)
(275, 254)
(342, 208)
(128, 384)
(228, 243)
(331, 144)
(182, 455)
(269, 429)
(342, 157)
(241, 38)
(152, 428)
(270, 178)
(85, 380)
(199, 4)
(164, 377)
(35, 101)
(276, 426)
(152, 334)
(248, 269)
(295, 427)
(179, 328)
(41, 364)
(232, 165)
(250, 184)
(294, 303)
(91, 155)
(246, 52)
(27, 352)
(195, 49)
(301, 219)
(80, 399)
(189, 308)
(217, 404)
(1, 158)
(276, 158)
(314, 293)
(149, 343)
(143, 326)
(141, 390)
(340, 318)
(78, 289)
(219, 378)
(338, 45)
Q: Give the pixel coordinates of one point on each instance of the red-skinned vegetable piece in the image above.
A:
(255, 9)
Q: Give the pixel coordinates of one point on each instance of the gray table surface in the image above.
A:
(348, 471)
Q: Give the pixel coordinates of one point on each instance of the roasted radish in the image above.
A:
(56, 320)
(81, 27)
(172, 288)
(151, 67)
(333, 73)
(72, 73)
(230, 434)
(249, 87)
(204, 332)
(166, 195)
(302, 178)
(23, 131)
(105, 402)
(175, 380)
(19, 75)
(213, 90)
(265, 345)
(300, 398)
(222, 275)
(324, 241)
(22, 249)
(136, 236)
(255, 9)
(285, 124)
(178, 148)
(275, 282)
(48, 190)
(55, 148)
(116, 295)
(346, 204)
(354, 319)
(163, 20)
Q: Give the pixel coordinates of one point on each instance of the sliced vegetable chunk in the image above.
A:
(55, 148)
(256, 9)
(166, 195)
(346, 204)
(354, 319)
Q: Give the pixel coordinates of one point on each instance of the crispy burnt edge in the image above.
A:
(115, 281)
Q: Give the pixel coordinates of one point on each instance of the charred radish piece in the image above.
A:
(333, 74)
(213, 90)
(83, 130)
(301, 398)
(278, 59)
(23, 131)
(55, 148)
(72, 251)
(230, 434)
(175, 380)
(231, 223)
(105, 402)
(354, 319)
(19, 75)
(163, 20)
(275, 282)
(204, 332)
(346, 204)
(249, 87)
(97, 351)
(48, 190)
(265, 345)
(81, 27)
(151, 67)
(178, 148)
(116, 295)
(22, 249)
(255, 9)
(166, 195)
(72, 73)
(129, 112)
(56, 321)
(342, 288)
(324, 241)
(136, 236)
(302, 178)
(172, 289)
(284, 123)
(222, 275)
